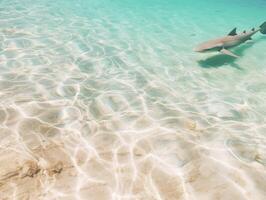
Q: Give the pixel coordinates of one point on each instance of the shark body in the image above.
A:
(231, 40)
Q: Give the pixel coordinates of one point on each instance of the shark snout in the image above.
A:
(197, 49)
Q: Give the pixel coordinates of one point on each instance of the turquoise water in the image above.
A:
(125, 69)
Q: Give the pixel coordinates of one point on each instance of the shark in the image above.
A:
(223, 44)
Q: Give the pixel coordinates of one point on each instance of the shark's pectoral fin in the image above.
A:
(229, 53)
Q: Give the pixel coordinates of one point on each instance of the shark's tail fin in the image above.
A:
(263, 28)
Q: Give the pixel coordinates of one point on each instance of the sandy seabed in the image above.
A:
(113, 146)
(41, 160)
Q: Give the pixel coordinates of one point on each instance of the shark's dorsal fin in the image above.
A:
(233, 32)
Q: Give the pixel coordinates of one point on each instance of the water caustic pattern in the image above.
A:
(105, 100)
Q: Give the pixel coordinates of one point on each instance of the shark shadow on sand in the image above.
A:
(220, 60)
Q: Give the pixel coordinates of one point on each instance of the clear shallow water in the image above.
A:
(113, 90)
